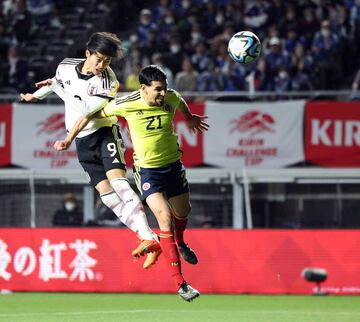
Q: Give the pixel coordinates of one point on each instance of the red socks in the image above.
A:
(171, 255)
(180, 226)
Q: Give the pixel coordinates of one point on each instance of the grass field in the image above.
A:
(168, 307)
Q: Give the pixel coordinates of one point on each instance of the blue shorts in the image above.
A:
(170, 180)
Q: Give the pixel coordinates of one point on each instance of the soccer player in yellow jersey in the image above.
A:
(159, 172)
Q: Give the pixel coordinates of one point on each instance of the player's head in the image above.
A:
(153, 82)
(100, 49)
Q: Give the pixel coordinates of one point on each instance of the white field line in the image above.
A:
(240, 312)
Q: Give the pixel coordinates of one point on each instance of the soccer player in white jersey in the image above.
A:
(87, 85)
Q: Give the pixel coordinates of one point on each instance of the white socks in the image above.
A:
(132, 211)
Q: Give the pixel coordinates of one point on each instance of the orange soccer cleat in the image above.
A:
(151, 258)
(146, 246)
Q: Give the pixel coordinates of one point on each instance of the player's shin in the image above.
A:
(180, 224)
(133, 212)
(171, 254)
(112, 201)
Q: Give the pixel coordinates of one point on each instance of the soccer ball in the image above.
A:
(244, 47)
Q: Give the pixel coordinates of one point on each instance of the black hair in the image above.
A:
(151, 73)
(105, 43)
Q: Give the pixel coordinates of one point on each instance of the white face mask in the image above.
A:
(133, 38)
(145, 21)
(283, 74)
(195, 36)
(325, 32)
(174, 49)
(70, 206)
(185, 4)
(219, 19)
(169, 20)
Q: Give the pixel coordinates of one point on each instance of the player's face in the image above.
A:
(154, 94)
(96, 62)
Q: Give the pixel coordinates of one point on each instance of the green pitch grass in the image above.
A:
(168, 307)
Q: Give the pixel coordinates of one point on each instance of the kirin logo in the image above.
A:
(254, 122)
(54, 124)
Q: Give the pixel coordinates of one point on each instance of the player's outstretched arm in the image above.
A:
(28, 97)
(42, 92)
(193, 121)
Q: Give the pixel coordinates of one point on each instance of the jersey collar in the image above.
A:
(80, 74)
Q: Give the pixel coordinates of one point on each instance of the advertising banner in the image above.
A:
(233, 261)
(5, 134)
(35, 129)
(262, 135)
(332, 133)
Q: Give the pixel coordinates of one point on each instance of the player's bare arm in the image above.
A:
(62, 145)
(28, 97)
(193, 121)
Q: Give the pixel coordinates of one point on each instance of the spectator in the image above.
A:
(325, 49)
(15, 71)
(145, 25)
(256, 15)
(43, 12)
(69, 214)
(132, 80)
(282, 81)
(21, 21)
(301, 80)
(201, 58)
(186, 80)
(157, 59)
(174, 56)
(277, 57)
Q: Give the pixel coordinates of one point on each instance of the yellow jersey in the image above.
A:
(151, 127)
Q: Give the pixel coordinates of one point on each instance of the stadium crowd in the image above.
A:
(306, 44)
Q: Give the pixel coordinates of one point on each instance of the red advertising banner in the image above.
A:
(230, 261)
(332, 133)
(5, 134)
(190, 143)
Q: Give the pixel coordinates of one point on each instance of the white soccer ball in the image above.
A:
(244, 47)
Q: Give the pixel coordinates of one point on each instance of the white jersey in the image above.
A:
(79, 89)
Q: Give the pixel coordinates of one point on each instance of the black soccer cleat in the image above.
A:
(187, 254)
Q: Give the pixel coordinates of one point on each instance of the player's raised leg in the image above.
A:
(159, 206)
(149, 242)
(181, 208)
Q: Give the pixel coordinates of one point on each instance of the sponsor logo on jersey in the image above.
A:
(146, 186)
(116, 160)
(253, 122)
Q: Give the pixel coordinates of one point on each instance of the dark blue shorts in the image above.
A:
(170, 179)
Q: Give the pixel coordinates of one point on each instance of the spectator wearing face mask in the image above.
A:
(174, 56)
(69, 215)
(325, 51)
(146, 24)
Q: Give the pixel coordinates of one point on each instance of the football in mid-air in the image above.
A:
(244, 47)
